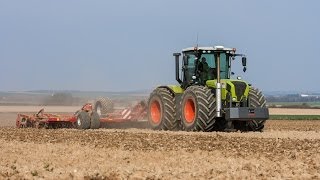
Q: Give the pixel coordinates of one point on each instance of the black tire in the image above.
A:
(198, 107)
(255, 99)
(162, 110)
(95, 121)
(83, 120)
(103, 106)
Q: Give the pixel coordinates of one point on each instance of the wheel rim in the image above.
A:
(99, 110)
(155, 112)
(79, 122)
(189, 111)
(23, 122)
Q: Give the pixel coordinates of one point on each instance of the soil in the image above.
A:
(285, 150)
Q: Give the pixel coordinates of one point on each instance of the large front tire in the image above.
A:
(255, 99)
(162, 110)
(198, 109)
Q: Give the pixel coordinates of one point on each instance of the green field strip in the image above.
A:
(294, 117)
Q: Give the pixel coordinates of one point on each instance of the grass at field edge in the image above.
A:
(294, 117)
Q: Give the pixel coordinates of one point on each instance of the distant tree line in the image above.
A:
(65, 99)
(292, 98)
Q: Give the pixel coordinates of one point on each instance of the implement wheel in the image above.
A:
(162, 110)
(103, 106)
(83, 120)
(94, 121)
(198, 109)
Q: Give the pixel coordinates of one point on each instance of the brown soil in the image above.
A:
(285, 150)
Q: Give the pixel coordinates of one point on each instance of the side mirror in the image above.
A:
(232, 73)
(244, 61)
(244, 69)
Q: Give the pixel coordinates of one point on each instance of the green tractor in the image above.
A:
(207, 99)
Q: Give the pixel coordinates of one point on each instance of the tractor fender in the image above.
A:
(175, 89)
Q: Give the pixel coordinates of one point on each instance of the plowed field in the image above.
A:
(286, 149)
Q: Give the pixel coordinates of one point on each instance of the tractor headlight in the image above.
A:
(194, 77)
(234, 99)
(239, 77)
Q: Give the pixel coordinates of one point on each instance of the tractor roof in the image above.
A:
(212, 48)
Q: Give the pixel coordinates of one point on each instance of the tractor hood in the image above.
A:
(237, 89)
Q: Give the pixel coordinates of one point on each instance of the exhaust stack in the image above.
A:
(177, 55)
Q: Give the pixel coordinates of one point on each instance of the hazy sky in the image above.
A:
(128, 45)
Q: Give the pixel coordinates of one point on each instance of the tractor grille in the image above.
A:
(240, 87)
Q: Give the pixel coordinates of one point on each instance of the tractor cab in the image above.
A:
(200, 64)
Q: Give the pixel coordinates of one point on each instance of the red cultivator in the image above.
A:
(135, 113)
(86, 118)
(77, 120)
(45, 120)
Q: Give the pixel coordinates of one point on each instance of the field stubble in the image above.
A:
(286, 149)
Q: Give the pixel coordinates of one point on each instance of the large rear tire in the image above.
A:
(103, 106)
(198, 109)
(162, 110)
(83, 120)
(94, 121)
(255, 99)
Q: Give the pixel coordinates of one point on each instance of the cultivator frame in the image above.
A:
(85, 118)
(129, 114)
(47, 120)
